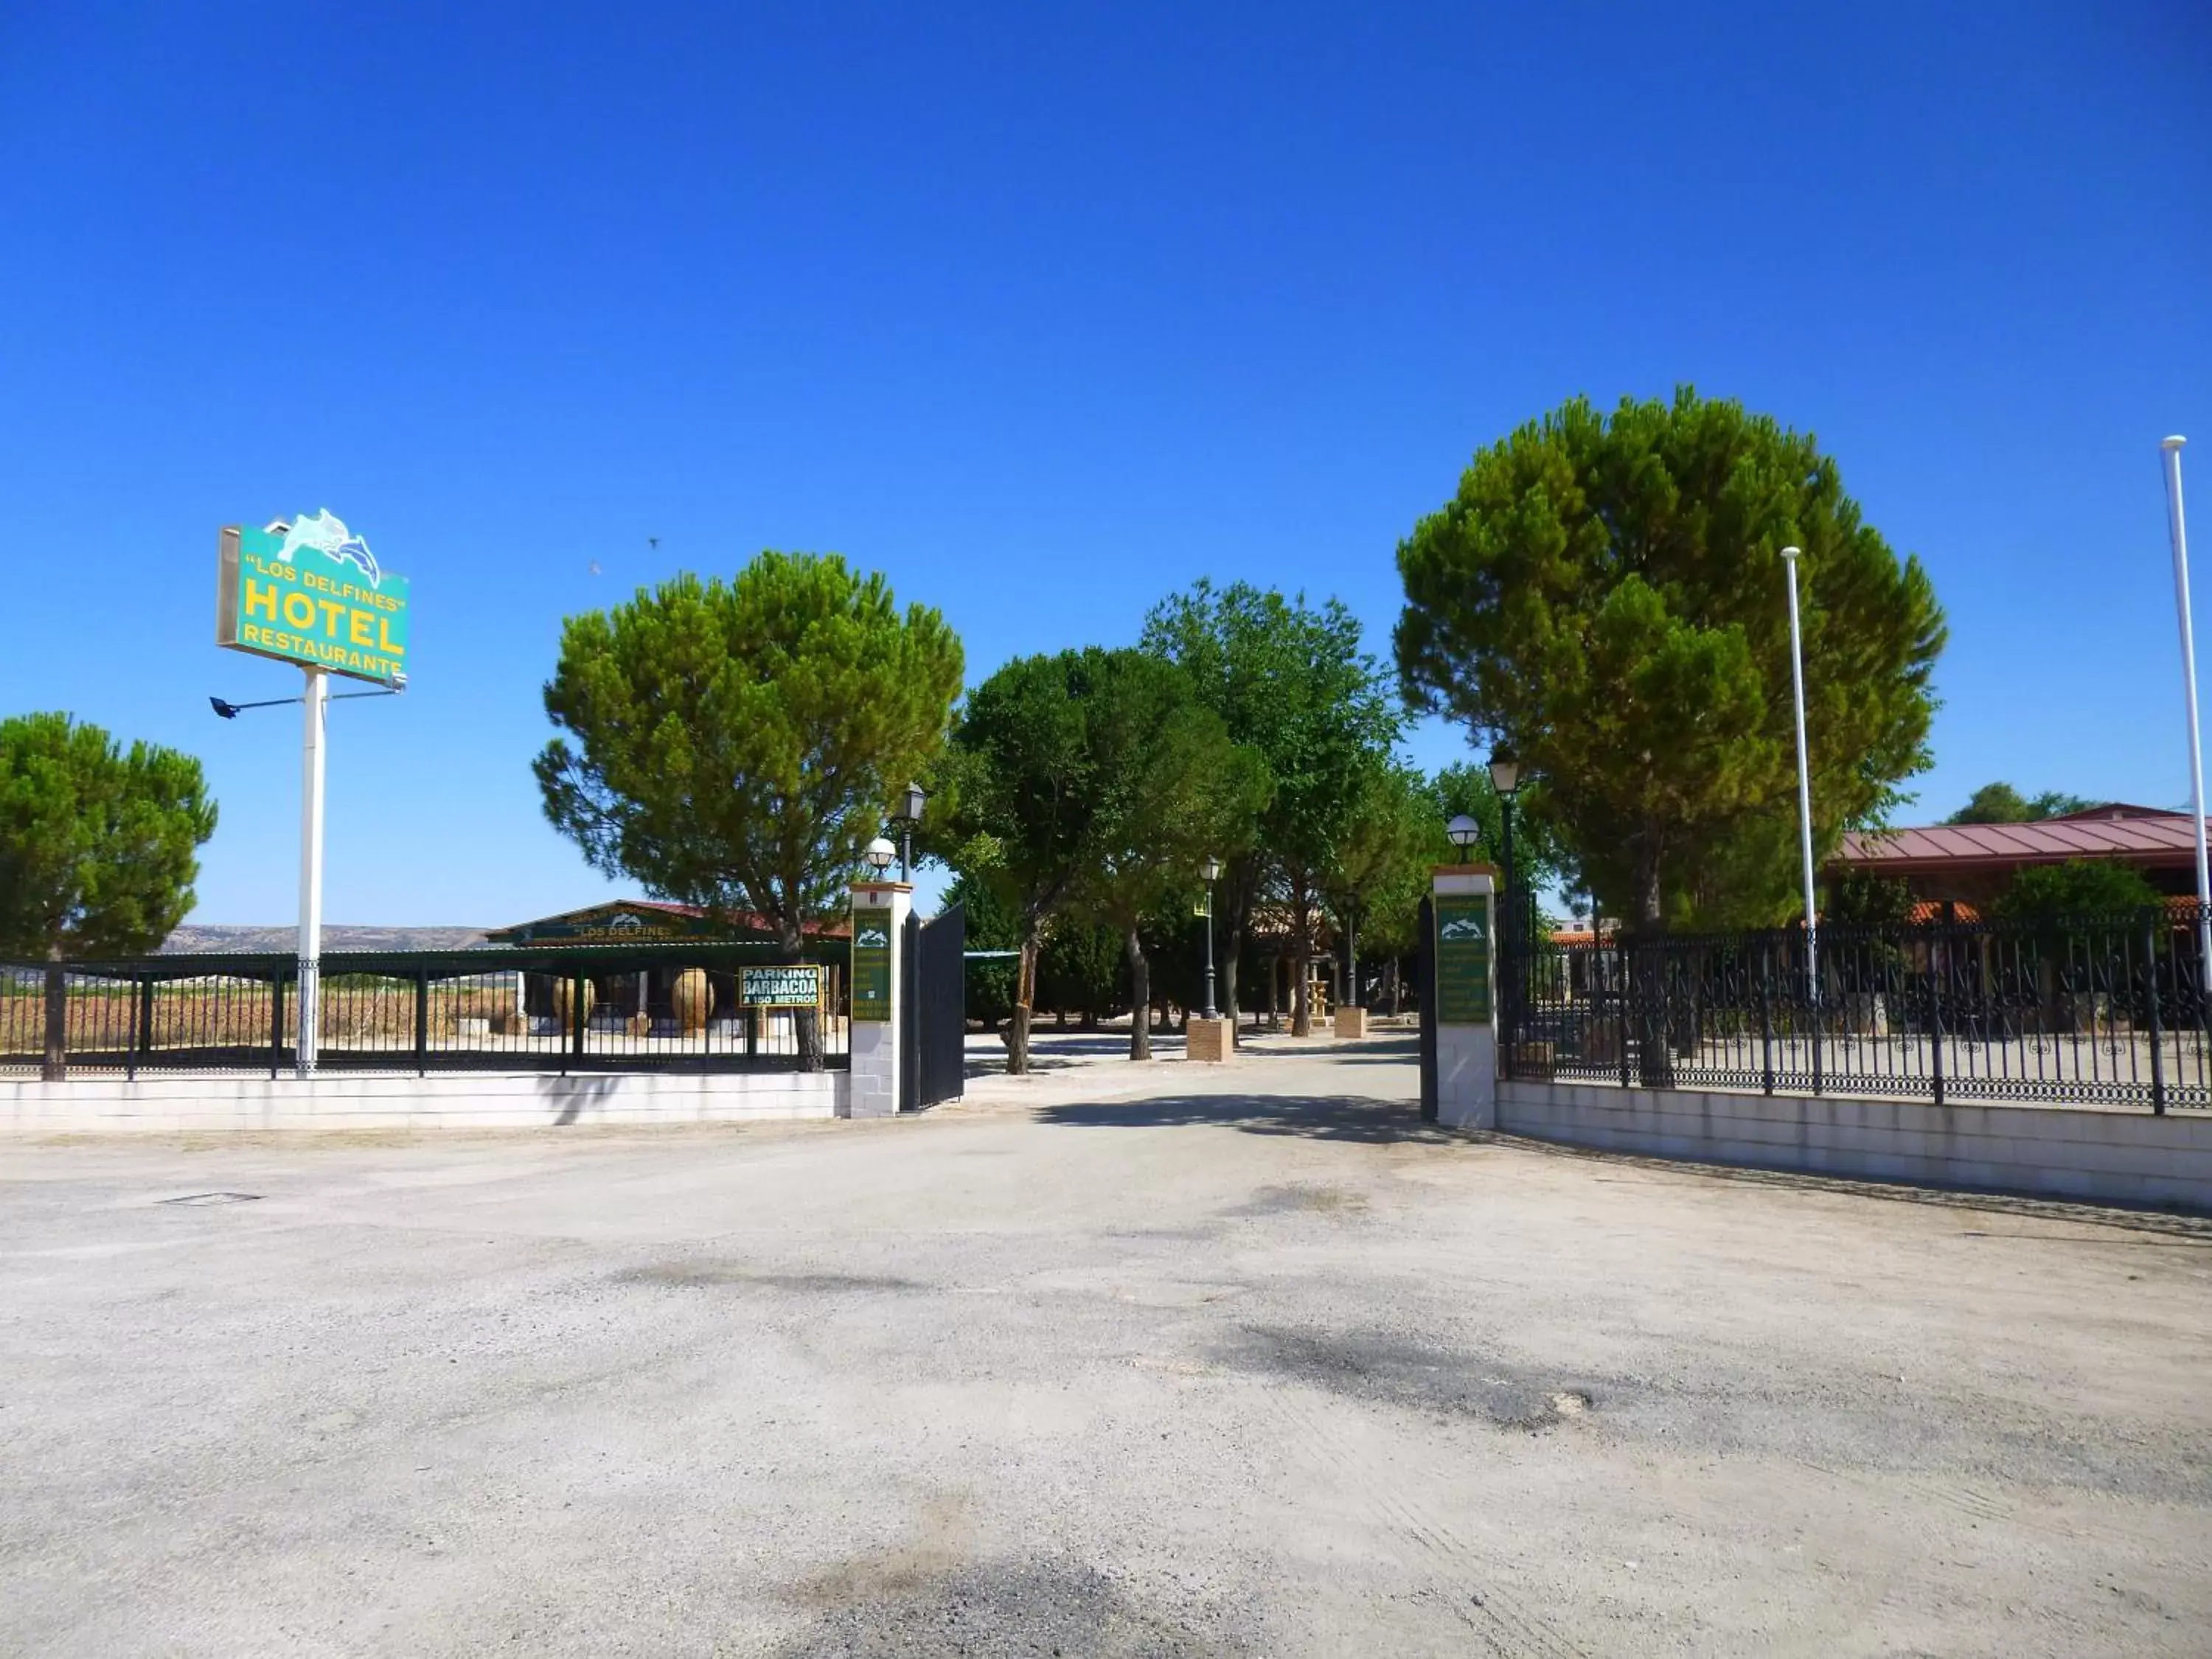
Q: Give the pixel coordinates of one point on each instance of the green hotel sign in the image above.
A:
(1463, 959)
(310, 592)
(871, 966)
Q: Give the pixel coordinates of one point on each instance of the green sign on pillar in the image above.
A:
(871, 966)
(1463, 959)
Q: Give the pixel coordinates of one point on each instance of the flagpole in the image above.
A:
(2178, 531)
(1804, 777)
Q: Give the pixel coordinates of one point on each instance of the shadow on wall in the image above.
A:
(1346, 1118)
(2182, 1227)
(575, 1093)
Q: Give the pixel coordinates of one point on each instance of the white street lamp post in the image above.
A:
(1804, 785)
(2178, 533)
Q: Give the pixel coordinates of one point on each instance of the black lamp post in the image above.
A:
(1212, 871)
(1505, 779)
(909, 814)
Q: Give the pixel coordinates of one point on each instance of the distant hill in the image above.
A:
(201, 938)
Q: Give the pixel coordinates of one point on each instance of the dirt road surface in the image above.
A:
(1158, 1360)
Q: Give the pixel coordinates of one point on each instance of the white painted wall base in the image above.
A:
(2120, 1158)
(1467, 1077)
(535, 1100)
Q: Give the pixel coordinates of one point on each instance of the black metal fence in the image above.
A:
(642, 1008)
(2092, 1011)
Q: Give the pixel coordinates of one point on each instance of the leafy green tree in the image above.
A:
(990, 985)
(1084, 779)
(2077, 888)
(1860, 899)
(1290, 682)
(738, 743)
(1015, 808)
(1174, 945)
(1464, 789)
(2000, 803)
(1081, 969)
(1603, 594)
(1382, 857)
(99, 849)
(1171, 788)
(2070, 913)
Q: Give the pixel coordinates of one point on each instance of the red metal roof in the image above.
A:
(2160, 838)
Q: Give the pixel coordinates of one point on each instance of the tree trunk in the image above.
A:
(1140, 999)
(1301, 997)
(1235, 946)
(805, 1023)
(1016, 1035)
(1655, 1064)
(1274, 984)
(56, 1067)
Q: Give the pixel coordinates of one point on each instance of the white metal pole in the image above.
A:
(2178, 531)
(1804, 780)
(311, 868)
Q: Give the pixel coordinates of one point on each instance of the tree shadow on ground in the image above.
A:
(1353, 1118)
(996, 1064)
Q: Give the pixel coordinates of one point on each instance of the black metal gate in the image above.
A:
(1424, 996)
(937, 996)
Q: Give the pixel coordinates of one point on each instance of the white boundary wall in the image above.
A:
(2122, 1157)
(533, 1100)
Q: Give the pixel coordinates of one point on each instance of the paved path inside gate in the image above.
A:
(1118, 1360)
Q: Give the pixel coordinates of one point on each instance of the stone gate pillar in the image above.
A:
(878, 1001)
(1465, 994)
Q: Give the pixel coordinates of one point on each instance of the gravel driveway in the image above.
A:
(1117, 1360)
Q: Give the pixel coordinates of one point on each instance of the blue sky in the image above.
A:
(1045, 312)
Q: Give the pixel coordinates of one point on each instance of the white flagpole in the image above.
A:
(2177, 530)
(1804, 780)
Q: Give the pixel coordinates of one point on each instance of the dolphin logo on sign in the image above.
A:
(871, 937)
(1461, 928)
(327, 533)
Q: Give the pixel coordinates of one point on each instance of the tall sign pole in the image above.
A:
(1804, 782)
(309, 592)
(2178, 531)
(311, 868)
